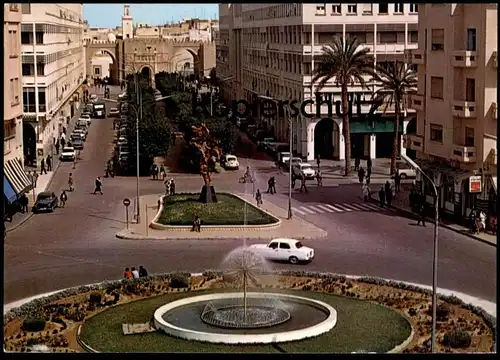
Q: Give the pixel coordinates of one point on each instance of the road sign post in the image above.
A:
(126, 202)
(147, 227)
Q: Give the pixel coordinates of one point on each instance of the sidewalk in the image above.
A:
(295, 228)
(402, 203)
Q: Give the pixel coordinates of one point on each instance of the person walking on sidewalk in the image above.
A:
(270, 185)
(303, 183)
(162, 172)
(35, 178)
(357, 161)
(63, 198)
(70, 182)
(361, 175)
(98, 185)
(318, 161)
(49, 163)
(388, 193)
(57, 147)
(258, 198)
(42, 167)
(368, 167)
(397, 181)
(319, 178)
(23, 201)
(421, 215)
(381, 197)
(172, 187)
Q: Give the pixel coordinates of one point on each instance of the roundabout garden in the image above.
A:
(372, 315)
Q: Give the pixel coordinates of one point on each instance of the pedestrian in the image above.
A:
(167, 187)
(270, 186)
(357, 161)
(366, 192)
(388, 193)
(318, 161)
(368, 167)
(63, 140)
(397, 181)
(293, 181)
(258, 198)
(135, 273)
(98, 185)
(162, 172)
(23, 201)
(319, 178)
(482, 221)
(57, 147)
(421, 215)
(127, 274)
(42, 167)
(303, 183)
(63, 198)
(361, 175)
(142, 271)
(196, 224)
(381, 197)
(35, 178)
(172, 187)
(367, 180)
(273, 184)
(49, 163)
(70, 182)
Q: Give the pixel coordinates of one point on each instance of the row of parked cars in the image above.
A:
(122, 148)
(78, 136)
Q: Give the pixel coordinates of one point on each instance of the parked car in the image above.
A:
(86, 118)
(283, 157)
(45, 201)
(407, 173)
(113, 112)
(68, 154)
(123, 157)
(77, 144)
(231, 162)
(303, 168)
(284, 249)
(81, 132)
(263, 144)
(83, 128)
(122, 140)
(93, 97)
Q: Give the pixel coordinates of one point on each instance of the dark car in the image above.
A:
(45, 201)
(77, 143)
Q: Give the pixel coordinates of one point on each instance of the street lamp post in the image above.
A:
(435, 252)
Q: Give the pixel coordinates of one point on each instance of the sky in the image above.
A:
(109, 15)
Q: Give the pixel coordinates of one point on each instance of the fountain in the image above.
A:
(246, 317)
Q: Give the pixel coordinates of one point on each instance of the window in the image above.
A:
(27, 70)
(352, 9)
(39, 37)
(273, 245)
(469, 136)
(26, 38)
(321, 10)
(413, 36)
(40, 69)
(388, 37)
(398, 8)
(336, 9)
(437, 40)
(97, 71)
(436, 87)
(383, 8)
(284, 246)
(29, 100)
(367, 9)
(470, 90)
(26, 8)
(42, 100)
(471, 39)
(437, 133)
(413, 8)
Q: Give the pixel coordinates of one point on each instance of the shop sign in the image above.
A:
(475, 184)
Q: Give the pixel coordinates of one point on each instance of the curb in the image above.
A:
(404, 344)
(122, 236)
(85, 347)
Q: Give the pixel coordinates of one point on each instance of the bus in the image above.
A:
(99, 109)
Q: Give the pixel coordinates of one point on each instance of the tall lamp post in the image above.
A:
(435, 253)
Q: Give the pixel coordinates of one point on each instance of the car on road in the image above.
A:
(123, 157)
(284, 249)
(83, 127)
(230, 162)
(68, 154)
(77, 143)
(303, 169)
(283, 157)
(407, 173)
(81, 132)
(86, 117)
(45, 201)
(113, 112)
(93, 97)
(122, 140)
(122, 96)
(295, 160)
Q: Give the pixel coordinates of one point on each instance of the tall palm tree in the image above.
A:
(395, 82)
(346, 62)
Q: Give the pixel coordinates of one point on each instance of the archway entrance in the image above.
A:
(29, 143)
(103, 66)
(325, 138)
(147, 74)
(411, 129)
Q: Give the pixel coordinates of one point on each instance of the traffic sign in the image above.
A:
(126, 202)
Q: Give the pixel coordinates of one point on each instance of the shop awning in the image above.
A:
(8, 191)
(456, 174)
(17, 177)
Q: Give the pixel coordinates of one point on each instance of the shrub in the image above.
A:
(33, 324)
(178, 281)
(442, 312)
(95, 298)
(457, 338)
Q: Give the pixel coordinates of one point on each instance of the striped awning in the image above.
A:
(16, 175)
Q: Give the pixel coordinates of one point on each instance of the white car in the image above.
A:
(407, 173)
(86, 118)
(68, 154)
(93, 97)
(231, 162)
(284, 249)
(122, 140)
(122, 95)
(283, 157)
(114, 112)
(295, 161)
(305, 169)
(81, 132)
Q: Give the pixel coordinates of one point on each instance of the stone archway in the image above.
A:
(101, 67)
(147, 73)
(29, 142)
(324, 138)
(183, 57)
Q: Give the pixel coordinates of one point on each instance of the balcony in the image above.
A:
(464, 154)
(415, 56)
(463, 109)
(464, 59)
(416, 102)
(413, 142)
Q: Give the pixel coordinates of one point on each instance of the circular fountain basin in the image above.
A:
(295, 319)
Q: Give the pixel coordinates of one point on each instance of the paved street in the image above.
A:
(77, 245)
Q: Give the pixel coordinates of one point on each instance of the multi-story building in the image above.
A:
(272, 49)
(456, 133)
(15, 180)
(53, 69)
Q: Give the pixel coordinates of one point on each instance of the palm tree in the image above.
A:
(346, 62)
(396, 81)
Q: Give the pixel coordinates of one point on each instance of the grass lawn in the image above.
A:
(361, 326)
(229, 210)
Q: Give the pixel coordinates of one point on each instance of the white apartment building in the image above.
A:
(15, 180)
(456, 103)
(271, 49)
(53, 69)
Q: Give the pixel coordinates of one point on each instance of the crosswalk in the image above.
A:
(336, 208)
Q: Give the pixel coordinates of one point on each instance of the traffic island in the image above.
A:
(374, 315)
(234, 216)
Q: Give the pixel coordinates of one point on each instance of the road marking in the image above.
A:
(306, 209)
(317, 209)
(374, 207)
(358, 207)
(344, 207)
(299, 211)
(334, 208)
(325, 208)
